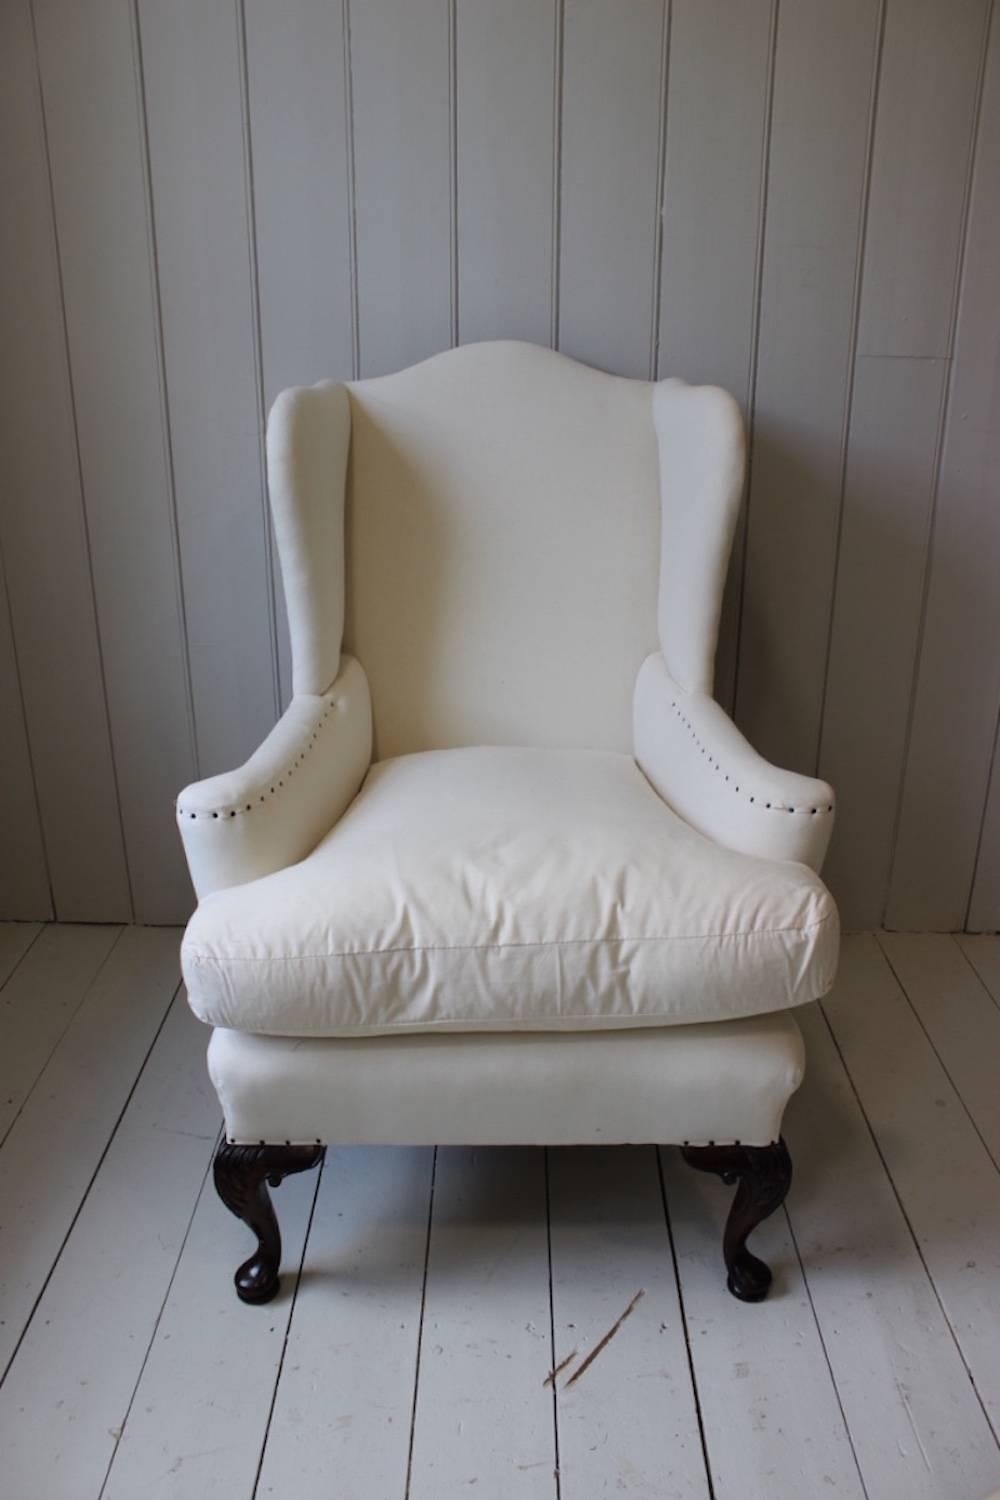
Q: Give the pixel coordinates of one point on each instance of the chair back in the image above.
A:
(503, 543)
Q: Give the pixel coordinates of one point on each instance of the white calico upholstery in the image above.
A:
(563, 845)
(308, 440)
(273, 810)
(509, 890)
(700, 446)
(724, 1082)
(699, 762)
(504, 499)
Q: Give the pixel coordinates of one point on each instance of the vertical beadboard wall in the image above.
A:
(207, 200)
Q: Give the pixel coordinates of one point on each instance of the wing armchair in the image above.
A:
(504, 872)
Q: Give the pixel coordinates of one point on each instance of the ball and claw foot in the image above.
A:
(242, 1175)
(763, 1175)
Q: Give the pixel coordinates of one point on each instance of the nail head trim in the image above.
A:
(809, 812)
(245, 807)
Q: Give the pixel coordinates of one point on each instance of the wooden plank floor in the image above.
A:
(428, 1295)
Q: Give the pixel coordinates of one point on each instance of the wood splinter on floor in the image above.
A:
(603, 1342)
(550, 1377)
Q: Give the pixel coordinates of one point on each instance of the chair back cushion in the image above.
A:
(503, 529)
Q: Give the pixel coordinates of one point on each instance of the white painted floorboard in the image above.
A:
(947, 1183)
(56, 1144)
(483, 1417)
(769, 1406)
(344, 1405)
(960, 1017)
(409, 1359)
(38, 1002)
(917, 1427)
(197, 1421)
(983, 954)
(15, 940)
(69, 1388)
(630, 1420)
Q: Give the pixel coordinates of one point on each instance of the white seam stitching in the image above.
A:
(686, 937)
(520, 1026)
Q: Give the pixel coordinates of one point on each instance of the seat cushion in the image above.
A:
(509, 890)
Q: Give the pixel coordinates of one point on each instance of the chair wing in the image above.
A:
(308, 438)
(699, 435)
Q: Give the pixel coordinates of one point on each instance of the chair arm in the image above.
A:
(274, 809)
(701, 765)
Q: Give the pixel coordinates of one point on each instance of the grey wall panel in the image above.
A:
(401, 91)
(823, 88)
(904, 339)
(958, 682)
(194, 83)
(931, 62)
(298, 130)
(507, 109)
(613, 94)
(24, 886)
(887, 505)
(718, 94)
(92, 99)
(717, 106)
(770, 196)
(303, 205)
(42, 528)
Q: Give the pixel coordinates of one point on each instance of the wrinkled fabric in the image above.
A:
(508, 890)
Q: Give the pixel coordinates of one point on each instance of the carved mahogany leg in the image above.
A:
(763, 1175)
(242, 1174)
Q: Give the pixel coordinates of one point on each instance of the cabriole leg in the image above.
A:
(763, 1175)
(242, 1174)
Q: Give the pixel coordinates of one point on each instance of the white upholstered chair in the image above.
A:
(504, 872)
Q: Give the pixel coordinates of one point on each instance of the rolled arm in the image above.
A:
(702, 766)
(277, 806)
